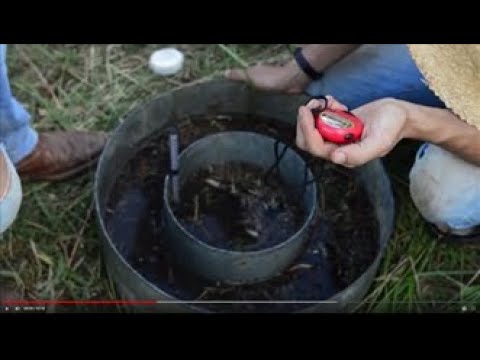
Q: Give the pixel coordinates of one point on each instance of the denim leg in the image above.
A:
(16, 133)
(373, 72)
(445, 188)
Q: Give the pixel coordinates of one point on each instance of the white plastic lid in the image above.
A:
(168, 61)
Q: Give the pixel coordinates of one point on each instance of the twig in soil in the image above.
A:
(253, 192)
(214, 183)
(224, 117)
(300, 266)
(232, 186)
(252, 233)
(205, 292)
(233, 189)
(219, 186)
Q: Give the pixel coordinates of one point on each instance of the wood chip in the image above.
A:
(214, 183)
(252, 233)
(300, 266)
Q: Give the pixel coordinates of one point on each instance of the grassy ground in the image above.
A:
(53, 252)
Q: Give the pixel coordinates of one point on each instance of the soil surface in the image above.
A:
(232, 207)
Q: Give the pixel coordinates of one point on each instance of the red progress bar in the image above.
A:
(76, 302)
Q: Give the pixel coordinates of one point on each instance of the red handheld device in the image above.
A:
(339, 127)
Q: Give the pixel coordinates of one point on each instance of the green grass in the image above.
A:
(53, 250)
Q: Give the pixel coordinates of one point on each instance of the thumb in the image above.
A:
(357, 154)
(334, 104)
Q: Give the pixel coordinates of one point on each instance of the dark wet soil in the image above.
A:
(232, 206)
(343, 238)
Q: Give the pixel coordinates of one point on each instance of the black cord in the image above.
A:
(308, 163)
(279, 158)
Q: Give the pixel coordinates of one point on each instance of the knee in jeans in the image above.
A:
(444, 188)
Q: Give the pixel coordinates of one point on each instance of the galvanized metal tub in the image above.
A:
(219, 97)
(240, 267)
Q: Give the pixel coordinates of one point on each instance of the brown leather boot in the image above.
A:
(62, 154)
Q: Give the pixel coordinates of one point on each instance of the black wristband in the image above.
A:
(305, 65)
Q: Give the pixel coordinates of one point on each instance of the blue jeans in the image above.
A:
(373, 72)
(443, 187)
(16, 133)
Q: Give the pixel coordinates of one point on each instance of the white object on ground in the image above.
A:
(168, 61)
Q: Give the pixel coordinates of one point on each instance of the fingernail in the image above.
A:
(339, 158)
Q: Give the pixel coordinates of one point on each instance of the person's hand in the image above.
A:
(288, 79)
(385, 123)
